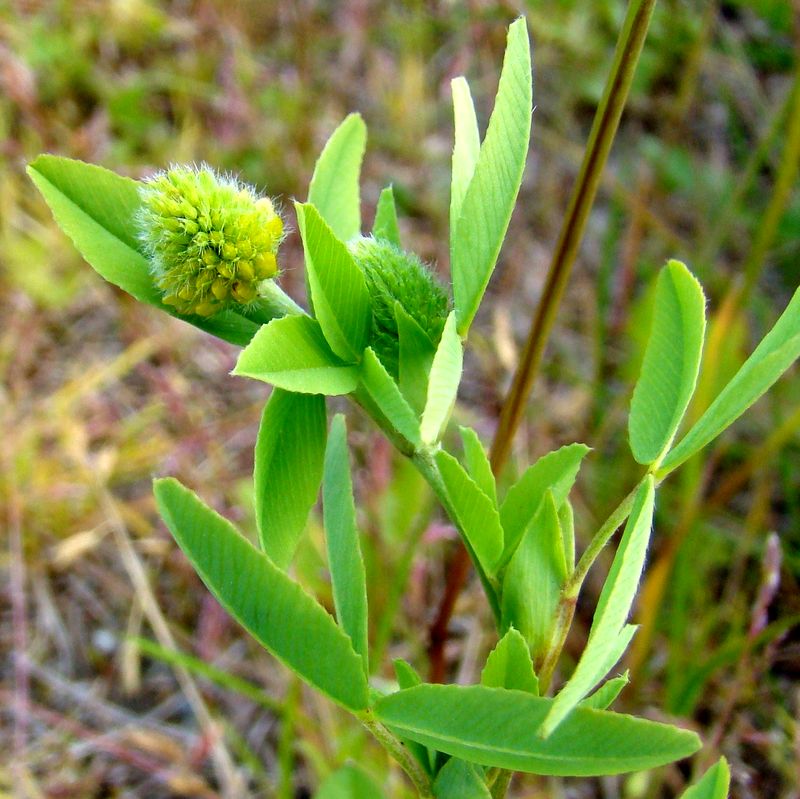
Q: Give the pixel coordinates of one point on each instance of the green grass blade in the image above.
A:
(274, 609)
(509, 665)
(292, 353)
(671, 363)
(287, 472)
(97, 210)
(477, 235)
(442, 383)
(348, 782)
(497, 727)
(610, 635)
(713, 784)
(475, 513)
(779, 349)
(334, 188)
(345, 560)
(338, 289)
(385, 225)
(477, 461)
(534, 577)
(386, 395)
(466, 146)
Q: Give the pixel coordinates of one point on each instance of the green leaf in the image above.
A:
(605, 695)
(345, 561)
(271, 607)
(466, 147)
(386, 395)
(348, 782)
(477, 236)
(460, 780)
(385, 226)
(779, 349)
(609, 636)
(671, 363)
(533, 580)
(714, 783)
(475, 513)
(478, 466)
(334, 188)
(292, 353)
(497, 727)
(509, 665)
(290, 451)
(443, 383)
(554, 472)
(416, 358)
(566, 518)
(407, 676)
(97, 210)
(338, 290)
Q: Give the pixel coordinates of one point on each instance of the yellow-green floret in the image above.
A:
(211, 240)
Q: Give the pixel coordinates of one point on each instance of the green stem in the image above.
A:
(499, 780)
(604, 128)
(565, 609)
(274, 303)
(399, 753)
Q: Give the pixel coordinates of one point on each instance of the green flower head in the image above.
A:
(393, 275)
(211, 239)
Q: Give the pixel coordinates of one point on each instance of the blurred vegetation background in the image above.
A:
(99, 393)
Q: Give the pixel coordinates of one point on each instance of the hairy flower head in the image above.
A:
(393, 275)
(211, 240)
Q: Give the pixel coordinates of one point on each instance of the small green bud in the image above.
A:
(211, 240)
(393, 275)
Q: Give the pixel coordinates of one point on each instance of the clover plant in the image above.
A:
(381, 329)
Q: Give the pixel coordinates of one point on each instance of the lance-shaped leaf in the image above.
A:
(287, 472)
(460, 780)
(497, 727)
(605, 695)
(385, 225)
(609, 636)
(442, 383)
(779, 349)
(338, 290)
(534, 577)
(554, 472)
(509, 665)
(476, 514)
(416, 358)
(671, 363)
(345, 561)
(292, 353)
(466, 147)
(714, 783)
(334, 188)
(97, 210)
(477, 236)
(386, 395)
(274, 609)
(478, 466)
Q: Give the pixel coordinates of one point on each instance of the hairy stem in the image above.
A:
(399, 752)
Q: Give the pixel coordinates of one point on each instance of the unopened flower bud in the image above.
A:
(395, 276)
(211, 240)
